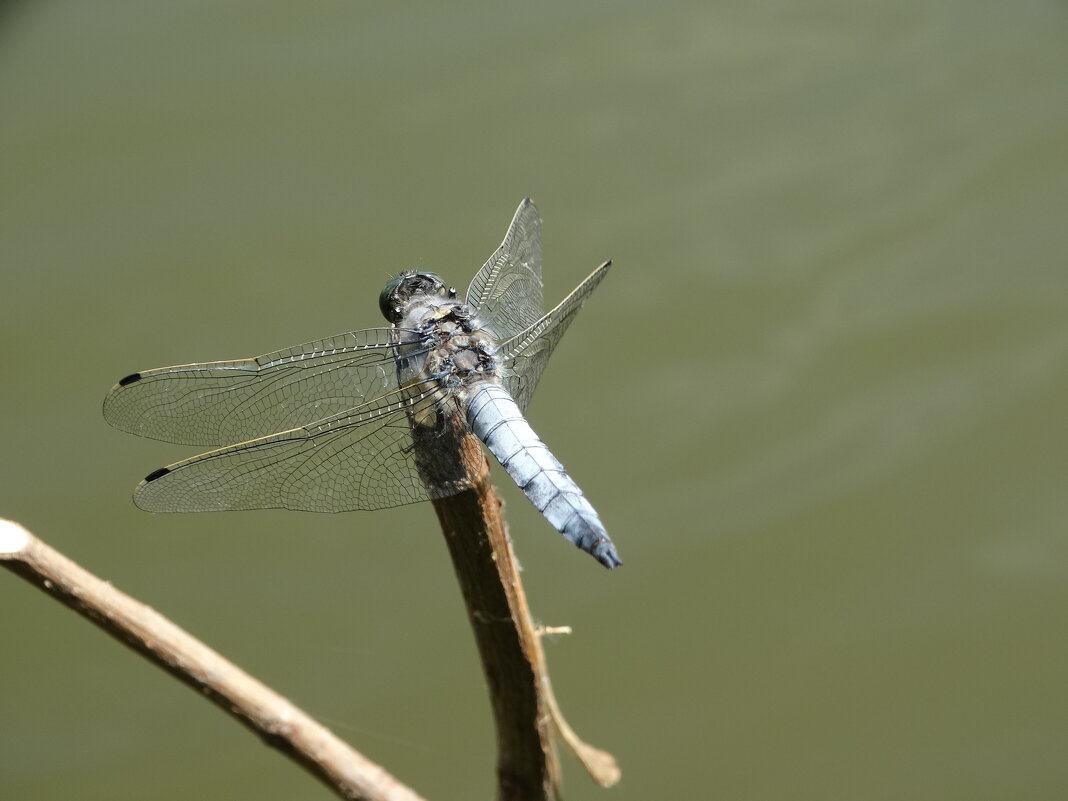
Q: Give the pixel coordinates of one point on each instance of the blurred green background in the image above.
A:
(820, 402)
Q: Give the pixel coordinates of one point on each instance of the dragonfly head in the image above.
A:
(401, 289)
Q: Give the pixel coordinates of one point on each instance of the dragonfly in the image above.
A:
(371, 419)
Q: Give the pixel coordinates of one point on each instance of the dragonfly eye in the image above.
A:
(397, 293)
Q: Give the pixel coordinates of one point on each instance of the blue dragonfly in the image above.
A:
(369, 419)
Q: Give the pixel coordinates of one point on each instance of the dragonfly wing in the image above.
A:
(526, 354)
(362, 459)
(507, 292)
(217, 403)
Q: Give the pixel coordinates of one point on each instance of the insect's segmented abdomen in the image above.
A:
(495, 418)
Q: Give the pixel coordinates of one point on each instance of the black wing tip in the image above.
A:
(157, 474)
(130, 379)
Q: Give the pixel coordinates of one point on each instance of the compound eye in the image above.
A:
(401, 289)
(386, 298)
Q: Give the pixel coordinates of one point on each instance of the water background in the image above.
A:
(820, 402)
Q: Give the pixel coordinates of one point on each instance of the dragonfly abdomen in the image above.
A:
(495, 418)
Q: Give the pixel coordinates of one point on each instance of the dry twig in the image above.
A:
(281, 724)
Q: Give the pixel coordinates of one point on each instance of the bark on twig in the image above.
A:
(276, 720)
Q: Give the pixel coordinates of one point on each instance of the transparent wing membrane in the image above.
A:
(358, 460)
(526, 354)
(507, 292)
(217, 403)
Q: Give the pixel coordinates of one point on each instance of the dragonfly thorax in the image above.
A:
(456, 350)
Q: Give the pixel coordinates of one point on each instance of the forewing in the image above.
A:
(217, 403)
(359, 460)
(507, 292)
(526, 354)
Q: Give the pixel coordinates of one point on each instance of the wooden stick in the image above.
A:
(525, 711)
(275, 719)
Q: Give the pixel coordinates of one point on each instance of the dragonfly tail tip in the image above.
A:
(607, 556)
